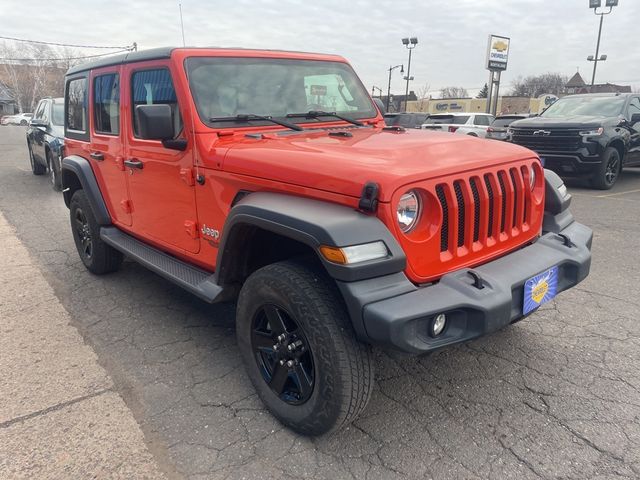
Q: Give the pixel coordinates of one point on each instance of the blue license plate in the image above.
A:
(540, 289)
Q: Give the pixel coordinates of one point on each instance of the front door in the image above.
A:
(37, 133)
(160, 179)
(106, 149)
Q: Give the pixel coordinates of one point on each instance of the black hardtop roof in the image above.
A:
(155, 54)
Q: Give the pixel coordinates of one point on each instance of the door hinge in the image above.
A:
(187, 176)
(126, 206)
(191, 228)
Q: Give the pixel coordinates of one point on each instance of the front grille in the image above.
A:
(553, 140)
(483, 209)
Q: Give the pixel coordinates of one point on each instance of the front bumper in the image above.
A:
(402, 319)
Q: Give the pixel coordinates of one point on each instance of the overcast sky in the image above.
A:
(546, 35)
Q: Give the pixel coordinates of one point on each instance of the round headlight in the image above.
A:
(408, 211)
(532, 177)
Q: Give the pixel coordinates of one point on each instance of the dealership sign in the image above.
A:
(497, 53)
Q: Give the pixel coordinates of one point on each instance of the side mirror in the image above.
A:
(155, 122)
(380, 105)
(635, 118)
(38, 122)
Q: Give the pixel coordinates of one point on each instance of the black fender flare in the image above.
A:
(557, 200)
(76, 169)
(313, 223)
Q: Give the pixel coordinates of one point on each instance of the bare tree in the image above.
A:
(33, 71)
(454, 92)
(536, 85)
(422, 97)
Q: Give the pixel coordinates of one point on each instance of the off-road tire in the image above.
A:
(36, 168)
(102, 257)
(54, 172)
(343, 367)
(604, 178)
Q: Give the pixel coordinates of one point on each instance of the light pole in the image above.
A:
(410, 43)
(596, 4)
(373, 91)
(391, 69)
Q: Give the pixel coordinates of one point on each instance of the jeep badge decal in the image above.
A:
(210, 232)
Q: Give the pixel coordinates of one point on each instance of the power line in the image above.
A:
(62, 44)
(128, 49)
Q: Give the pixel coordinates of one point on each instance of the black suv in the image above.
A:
(593, 135)
(45, 139)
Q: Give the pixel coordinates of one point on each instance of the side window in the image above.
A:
(481, 120)
(152, 87)
(106, 104)
(634, 107)
(39, 110)
(76, 98)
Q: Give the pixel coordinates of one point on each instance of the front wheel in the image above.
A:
(608, 171)
(300, 350)
(36, 168)
(54, 171)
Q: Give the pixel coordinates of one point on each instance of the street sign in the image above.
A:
(497, 53)
(611, 3)
(595, 3)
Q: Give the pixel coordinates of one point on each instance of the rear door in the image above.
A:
(106, 151)
(161, 180)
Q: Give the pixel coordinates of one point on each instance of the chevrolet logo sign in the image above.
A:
(542, 132)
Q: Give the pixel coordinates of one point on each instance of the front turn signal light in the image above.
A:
(354, 253)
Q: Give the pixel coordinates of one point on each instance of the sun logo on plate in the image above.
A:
(540, 290)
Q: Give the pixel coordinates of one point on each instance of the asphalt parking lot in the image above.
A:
(554, 396)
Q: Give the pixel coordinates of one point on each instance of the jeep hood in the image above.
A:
(343, 164)
(574, 121)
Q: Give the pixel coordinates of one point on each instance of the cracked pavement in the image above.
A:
(554, 396)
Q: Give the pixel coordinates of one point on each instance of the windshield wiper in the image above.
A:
(320, 113)
(247, 117)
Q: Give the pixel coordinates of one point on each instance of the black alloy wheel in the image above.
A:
(612, 170)
(83, 229)
(283, 354)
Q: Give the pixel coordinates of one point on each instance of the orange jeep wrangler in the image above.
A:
(269, 178)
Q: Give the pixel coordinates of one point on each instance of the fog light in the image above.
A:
(438, 324)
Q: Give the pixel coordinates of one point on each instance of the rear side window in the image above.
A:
(76, 99)
(106, 104)
(482, 120)
(152, 87)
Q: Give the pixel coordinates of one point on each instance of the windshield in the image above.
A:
(58, 114)
(447, 119)
(505, 121)
(226, 87)
(589, 106)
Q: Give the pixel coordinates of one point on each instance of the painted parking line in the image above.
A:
(618, 193)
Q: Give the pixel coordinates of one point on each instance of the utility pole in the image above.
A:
(410, 43)
(596, 4)
(391, 69)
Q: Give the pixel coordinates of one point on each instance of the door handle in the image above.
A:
(134, 163)
(97, 156)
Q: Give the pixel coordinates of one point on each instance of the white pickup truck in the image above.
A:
(467, 123)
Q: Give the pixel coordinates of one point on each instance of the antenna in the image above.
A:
(182, 25)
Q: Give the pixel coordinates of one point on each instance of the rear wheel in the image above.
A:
(608, 171)
(23, 123)
(54, 171)
(96, 255)
(36, 167)
(300, 350)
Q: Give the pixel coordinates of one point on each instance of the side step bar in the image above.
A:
(199, 282)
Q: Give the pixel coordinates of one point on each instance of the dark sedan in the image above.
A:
(45, 139)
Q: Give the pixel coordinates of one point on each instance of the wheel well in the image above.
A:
(70, 184)
(619, 146)
(250, 248)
